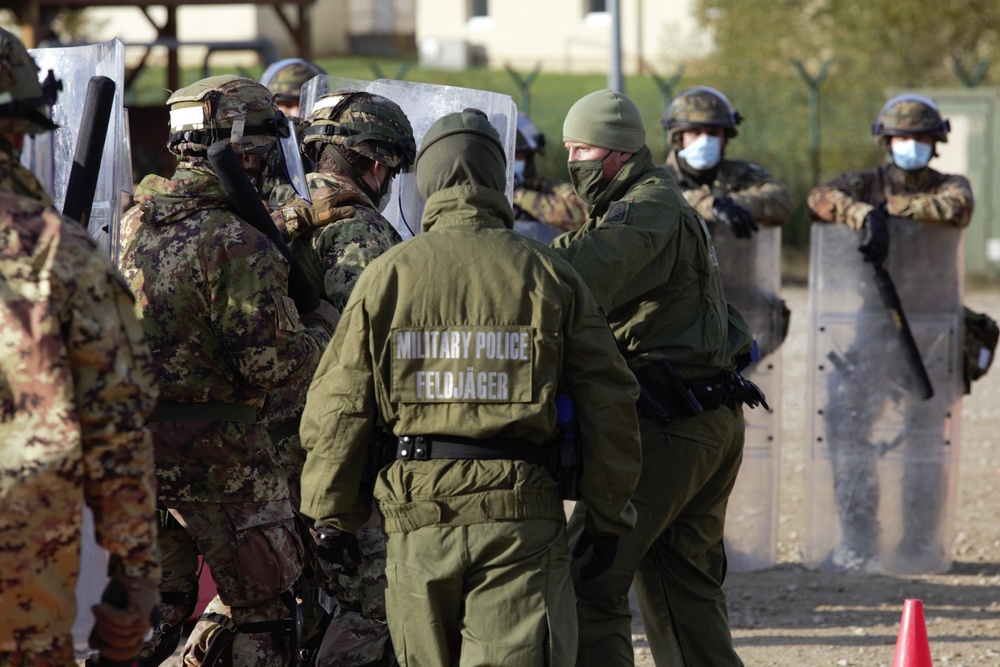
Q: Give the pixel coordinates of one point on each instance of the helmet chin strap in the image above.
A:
(353, 173)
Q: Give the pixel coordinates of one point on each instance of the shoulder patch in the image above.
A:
(617, 213)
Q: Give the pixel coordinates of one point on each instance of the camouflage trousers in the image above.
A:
(358, 634)
(255, 555)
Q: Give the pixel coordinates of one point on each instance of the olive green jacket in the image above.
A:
(648, 259)
(469, 329)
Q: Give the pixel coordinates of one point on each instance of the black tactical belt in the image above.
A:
(210, 411)
(427, 447)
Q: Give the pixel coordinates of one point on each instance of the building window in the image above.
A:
(595, 13)
(479, 9)
(479, 16)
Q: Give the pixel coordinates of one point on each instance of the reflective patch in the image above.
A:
(187, 117)
(462, 364)
(617, 213)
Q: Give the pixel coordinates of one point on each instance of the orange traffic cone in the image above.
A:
(912, 647)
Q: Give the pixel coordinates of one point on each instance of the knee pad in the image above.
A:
(285, 632)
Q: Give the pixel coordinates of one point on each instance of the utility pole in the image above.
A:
(615, 81)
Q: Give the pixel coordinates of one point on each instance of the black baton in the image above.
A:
(89, 149)
(247, 204)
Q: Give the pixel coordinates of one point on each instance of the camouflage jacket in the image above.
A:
(336, 237)
(924, 195)
(550, 201)
(15, 178)
(648, 258)
(746, 183)
(76, 386)
(213, 294)
(469, 278)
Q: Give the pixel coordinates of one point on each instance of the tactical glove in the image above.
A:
(338, 551)
(605, 550)
(129, 608)
(875, 237)
(734, 216)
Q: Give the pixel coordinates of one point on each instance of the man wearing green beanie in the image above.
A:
(648, 259)
(458, 344)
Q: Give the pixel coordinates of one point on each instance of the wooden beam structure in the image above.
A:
(36, 17)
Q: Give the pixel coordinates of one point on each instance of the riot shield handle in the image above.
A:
(82, 181)
(890, 297)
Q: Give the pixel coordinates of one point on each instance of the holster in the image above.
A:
(663, 393)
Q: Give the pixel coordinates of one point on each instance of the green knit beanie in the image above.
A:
(605, 119)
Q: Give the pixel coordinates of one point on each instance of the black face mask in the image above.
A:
(587, 177)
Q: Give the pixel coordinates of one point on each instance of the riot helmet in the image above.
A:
(529, 138)
(700, 106)
(370, 125)
(285, 79)
(25, 102)
(224, 107)
(910, 114)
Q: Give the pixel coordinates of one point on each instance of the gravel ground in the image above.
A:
(788, 615)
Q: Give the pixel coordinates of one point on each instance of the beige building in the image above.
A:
(563, 35)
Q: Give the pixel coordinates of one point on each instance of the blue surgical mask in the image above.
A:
(703, 153)
(519, 170)
(911, 155)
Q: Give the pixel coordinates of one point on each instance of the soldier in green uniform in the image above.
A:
(457, 343)
(907, 189)
(359, 142)
(76, 386)
(213, 293)
(537, 198)
(648, 259)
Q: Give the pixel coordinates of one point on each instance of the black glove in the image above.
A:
(339, 551)
(875, 237)
(605, 550)
(735, 217)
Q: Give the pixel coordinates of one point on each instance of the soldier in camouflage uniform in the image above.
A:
(27, 114)
(478, 562)
(908, 128)
(285, 79)
(737, 195)
(213, 293)
(537, 198)
(76, 386)
(359, 142)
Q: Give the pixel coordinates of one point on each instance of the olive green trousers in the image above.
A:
(495, 593)
(675, 555)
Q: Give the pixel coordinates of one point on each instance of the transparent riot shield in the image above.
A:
(50, 155)
(883, 461)
(423, 104)
(751, 277)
